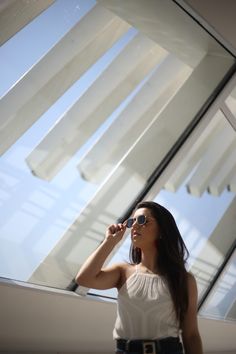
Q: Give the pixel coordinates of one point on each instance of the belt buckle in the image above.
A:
(149, 348)
(127, 345)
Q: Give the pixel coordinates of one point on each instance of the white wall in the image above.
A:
(42, 319)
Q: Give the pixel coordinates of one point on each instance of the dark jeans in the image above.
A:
(122, 352)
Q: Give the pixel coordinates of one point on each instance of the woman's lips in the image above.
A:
(135, 234)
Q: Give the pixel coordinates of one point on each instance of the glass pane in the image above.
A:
(221, 303)
(89, 111)
(200, 192)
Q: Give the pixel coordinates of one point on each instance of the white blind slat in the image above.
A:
(56, 72)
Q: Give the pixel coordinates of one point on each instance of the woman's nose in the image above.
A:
(135, 224)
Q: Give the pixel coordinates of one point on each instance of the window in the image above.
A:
(91, 106)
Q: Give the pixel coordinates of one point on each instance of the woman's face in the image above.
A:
(145, 235)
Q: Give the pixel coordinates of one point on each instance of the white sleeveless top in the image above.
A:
(145, 309)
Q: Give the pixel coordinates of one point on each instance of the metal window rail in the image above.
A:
(217, 275)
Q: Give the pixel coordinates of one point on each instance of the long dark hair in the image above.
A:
(172, 256)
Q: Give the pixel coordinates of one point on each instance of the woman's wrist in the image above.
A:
(111, 240)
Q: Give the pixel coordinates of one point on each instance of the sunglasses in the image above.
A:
(141, 220)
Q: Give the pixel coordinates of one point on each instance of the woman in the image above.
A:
(157, 297)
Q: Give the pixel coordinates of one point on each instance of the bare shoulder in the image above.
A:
(191, 280)
(191, 277)
(126, 270)
(192, 287)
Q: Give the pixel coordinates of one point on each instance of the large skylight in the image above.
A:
(94, 95)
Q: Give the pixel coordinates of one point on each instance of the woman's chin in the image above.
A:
(136, 242)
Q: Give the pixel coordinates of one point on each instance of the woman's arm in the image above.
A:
(190, 334)
(91, 273)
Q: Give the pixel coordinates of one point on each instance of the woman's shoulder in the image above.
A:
(191, 278)
(192, 283)
(126, 270)
(125, 267)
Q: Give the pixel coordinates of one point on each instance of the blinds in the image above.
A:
(121, 77)
(213, 156)
(48, 79)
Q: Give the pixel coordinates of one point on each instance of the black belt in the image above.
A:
(141, 346)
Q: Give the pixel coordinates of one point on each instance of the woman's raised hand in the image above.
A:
(115, 232)
(92, 274)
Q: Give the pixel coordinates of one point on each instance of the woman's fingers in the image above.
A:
(116, 230)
